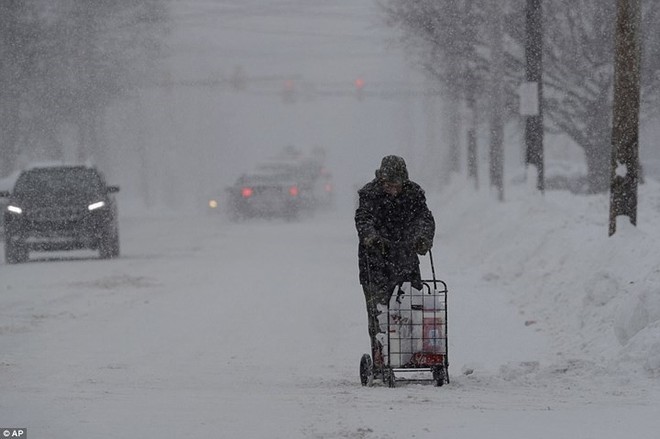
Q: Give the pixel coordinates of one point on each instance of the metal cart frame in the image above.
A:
(414, 336)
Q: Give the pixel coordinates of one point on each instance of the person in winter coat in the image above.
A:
(394, 226)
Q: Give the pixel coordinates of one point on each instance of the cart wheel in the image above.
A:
(366, 371)
(439, 375)
(389, 378)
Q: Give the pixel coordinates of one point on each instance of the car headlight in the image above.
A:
(14, 209)
(96, 205)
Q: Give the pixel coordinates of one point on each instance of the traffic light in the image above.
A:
(359, 88)
(289, 91)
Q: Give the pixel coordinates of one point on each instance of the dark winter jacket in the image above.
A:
(399, 222)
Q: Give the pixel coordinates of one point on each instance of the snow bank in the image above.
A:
(597, 297)
(7, 183)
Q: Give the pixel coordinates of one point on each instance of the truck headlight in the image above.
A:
(96, 205)
(14, 209)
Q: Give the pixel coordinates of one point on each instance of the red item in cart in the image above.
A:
(422, 359)
(432, 338)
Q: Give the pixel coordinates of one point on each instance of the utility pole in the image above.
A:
(496, 121)
(625, 120)
(534, 75)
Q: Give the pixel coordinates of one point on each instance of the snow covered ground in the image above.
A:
(205, 328)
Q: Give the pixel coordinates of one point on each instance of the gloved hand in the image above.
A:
(378, 243)
(371, 240)
(422, 246)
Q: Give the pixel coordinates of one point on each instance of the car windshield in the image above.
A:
(66, 181)
(305, 170)
(261, 179)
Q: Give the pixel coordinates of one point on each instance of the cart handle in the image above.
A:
(435, 286)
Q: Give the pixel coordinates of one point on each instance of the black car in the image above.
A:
(56, 208)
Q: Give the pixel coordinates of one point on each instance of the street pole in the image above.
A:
(534, 75)
(496, 118)
(625, 120)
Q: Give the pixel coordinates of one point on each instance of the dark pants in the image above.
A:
(373, 297)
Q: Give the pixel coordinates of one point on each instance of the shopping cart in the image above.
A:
(413, 336)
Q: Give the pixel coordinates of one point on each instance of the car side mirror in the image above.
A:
(5, 194)
(112, 189)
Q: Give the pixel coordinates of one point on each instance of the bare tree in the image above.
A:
(578, 65)
(14, 47)
(578, 75)
(578, 80)
(443, 35)
(65, 62)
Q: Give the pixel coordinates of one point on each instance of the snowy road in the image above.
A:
(208, 329)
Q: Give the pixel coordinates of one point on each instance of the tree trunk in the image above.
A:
(454, 130)
(472, 152)
(431, 156)
(496, 120)
(9, 85)
(597, 148)
(598, 165)
(9, 135)
(87, 136)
